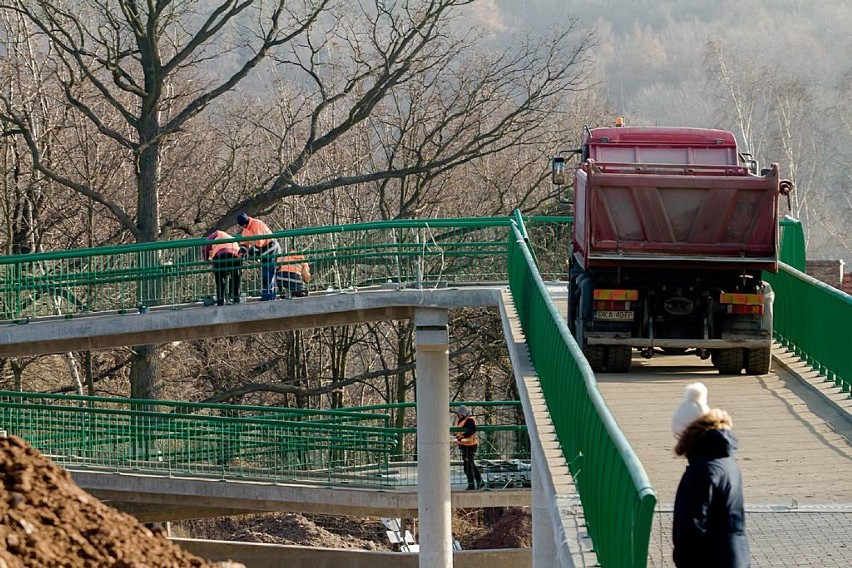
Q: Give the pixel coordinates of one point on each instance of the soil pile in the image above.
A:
(47, 520)
(290, 529)
(473, 528)
(512, 530)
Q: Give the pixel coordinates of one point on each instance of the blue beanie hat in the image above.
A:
(242, 219)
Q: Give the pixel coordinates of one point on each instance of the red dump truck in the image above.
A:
(672, 228)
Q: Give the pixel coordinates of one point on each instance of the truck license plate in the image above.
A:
(611, 315)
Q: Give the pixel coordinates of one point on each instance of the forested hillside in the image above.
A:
(776, 72)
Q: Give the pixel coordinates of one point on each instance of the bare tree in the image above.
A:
(744, 92)
(783, 119)
(141, 74)
(130, 57)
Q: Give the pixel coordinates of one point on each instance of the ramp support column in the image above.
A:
(433, 451)
(544, 540)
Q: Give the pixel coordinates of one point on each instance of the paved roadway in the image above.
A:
(795, 454)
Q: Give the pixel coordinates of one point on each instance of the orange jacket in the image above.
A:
(210, 251)
(472, 439)
(254, 228)
(295, 264)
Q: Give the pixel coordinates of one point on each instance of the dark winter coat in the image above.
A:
(709, 519)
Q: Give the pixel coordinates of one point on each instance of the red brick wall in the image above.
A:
(828, 271)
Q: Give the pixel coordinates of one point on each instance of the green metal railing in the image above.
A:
(814, 320)
(811, 319)
(617, 497)
(414, 253)
(199, 439)
(335, 447)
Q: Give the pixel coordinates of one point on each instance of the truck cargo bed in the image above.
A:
(654, 214)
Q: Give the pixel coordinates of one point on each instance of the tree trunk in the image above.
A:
(339, 356)
(75, 372)
(144, 367)
(144, 372)
(18, 374)
(297, 368)
(90, 379)
(404, 355)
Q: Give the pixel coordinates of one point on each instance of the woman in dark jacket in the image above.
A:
(709, 518)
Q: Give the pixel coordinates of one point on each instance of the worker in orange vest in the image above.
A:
(227, 264)
(292, 276)
(264, 249)
(468, 442)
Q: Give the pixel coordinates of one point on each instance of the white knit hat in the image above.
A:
(694, 406)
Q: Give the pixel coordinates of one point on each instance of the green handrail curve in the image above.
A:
(172, 273)
(617, 496)
(814, 320)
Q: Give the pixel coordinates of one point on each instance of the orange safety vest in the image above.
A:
(466, 440)
(290, 263)
(215, 248)
(294, 264)
(256, 227)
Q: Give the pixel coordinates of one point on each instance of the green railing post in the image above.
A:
(792, 249)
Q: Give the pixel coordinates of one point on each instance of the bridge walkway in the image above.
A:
(795, 453)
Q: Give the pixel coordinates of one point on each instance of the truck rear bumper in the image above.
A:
(744, 343)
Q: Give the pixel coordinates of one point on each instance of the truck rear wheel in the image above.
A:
(596, 356)
(757, 361)
(618, 358)
(729, 361)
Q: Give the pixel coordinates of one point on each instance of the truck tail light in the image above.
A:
(622, 295)
(611, 305)
(745, 309)
(750, 304)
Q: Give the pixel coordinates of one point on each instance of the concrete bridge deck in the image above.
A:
(183, 323)
(795, 453)
(159, 498)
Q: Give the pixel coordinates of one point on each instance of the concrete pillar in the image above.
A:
(433, 449)
(543, 539)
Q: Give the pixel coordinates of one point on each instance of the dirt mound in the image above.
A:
(512, 530)
(473, 528)
(285, 528)
(46, 520)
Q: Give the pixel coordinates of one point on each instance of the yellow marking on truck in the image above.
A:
(624, 295)
(747, 299)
